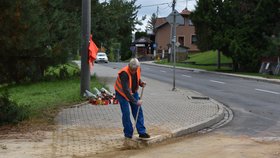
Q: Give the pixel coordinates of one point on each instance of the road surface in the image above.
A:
(256, 104)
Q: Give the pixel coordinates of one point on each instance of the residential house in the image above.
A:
(141, 48)
(185, 34)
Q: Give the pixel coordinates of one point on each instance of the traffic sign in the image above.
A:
(132, 48)
(179, 18)
(154, 45)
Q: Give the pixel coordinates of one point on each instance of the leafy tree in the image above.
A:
(237, 28)
(34, 35)
(257, 19)
(140, 34)
(273, 48)
(152, 23)
(114, 21)
(22, 39)
(202, 18)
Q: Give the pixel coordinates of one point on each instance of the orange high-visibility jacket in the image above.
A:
(118, 85)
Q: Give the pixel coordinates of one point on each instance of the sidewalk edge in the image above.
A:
(192, 128)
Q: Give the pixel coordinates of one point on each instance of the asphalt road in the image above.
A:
(255, 104)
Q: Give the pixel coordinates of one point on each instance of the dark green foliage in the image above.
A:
(62, 72)
(113, 22)
(10, 112)
(245, 30)
(140, 34)
(152, 23)
(273, 48)
(36, 35)
(21, 101)
(202, 18)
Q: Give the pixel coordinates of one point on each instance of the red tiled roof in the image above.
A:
(160, 21)
(185, 12)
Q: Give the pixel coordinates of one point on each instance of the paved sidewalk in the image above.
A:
(89, 129)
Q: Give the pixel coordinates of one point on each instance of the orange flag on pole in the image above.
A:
(92, 51)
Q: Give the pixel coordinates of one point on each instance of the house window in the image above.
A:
(194, 39)
(181, 40)
(190, 22)
(185, 21)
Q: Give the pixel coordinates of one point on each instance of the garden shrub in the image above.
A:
(10, 112)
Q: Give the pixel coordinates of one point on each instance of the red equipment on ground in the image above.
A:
(101, 97)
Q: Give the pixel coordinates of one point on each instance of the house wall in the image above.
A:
(187, 31)
(163, 36)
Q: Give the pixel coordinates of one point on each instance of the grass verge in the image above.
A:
(42, 100)
(214, 68)
(208, 68)
(209, 57)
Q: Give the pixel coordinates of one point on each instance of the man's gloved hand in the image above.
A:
(139, 102)
(143, 84)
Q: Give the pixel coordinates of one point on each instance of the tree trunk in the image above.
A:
(234, 65)
(219, 60)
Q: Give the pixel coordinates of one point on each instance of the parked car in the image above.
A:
(101, 57)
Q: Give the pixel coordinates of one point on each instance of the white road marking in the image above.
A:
(186, 76)
(162, 71)
(217, 81)
(267, 91)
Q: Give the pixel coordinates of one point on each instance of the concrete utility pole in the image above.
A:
(157, 10)
(174, 41)
(85, 73)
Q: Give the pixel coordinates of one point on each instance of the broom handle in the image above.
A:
(142, 93)
(138, 109)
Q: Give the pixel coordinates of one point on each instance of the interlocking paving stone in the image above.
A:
(88, 129)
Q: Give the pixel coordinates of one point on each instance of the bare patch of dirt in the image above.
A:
(34, 145)
(200, 146)
(23, 129)
(38, 141)
(27, 139)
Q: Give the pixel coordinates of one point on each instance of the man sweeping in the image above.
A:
(126, 86)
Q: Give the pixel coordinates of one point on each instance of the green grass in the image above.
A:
(48, 96)
(208, 68)
(69, 69)
(209, 57)
(43, 99)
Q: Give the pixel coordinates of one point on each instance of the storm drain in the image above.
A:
(200, 97)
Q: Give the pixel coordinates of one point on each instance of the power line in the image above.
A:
(155, 5)
(169, 4)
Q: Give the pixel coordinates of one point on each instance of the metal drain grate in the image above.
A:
(200, 97)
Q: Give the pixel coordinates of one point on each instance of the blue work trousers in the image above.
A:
(127, 125)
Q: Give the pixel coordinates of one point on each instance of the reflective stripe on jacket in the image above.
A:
(118, 85)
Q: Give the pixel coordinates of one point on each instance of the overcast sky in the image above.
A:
(164, 8)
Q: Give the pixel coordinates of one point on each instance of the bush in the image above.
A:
(10, 112)
(61, 72)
